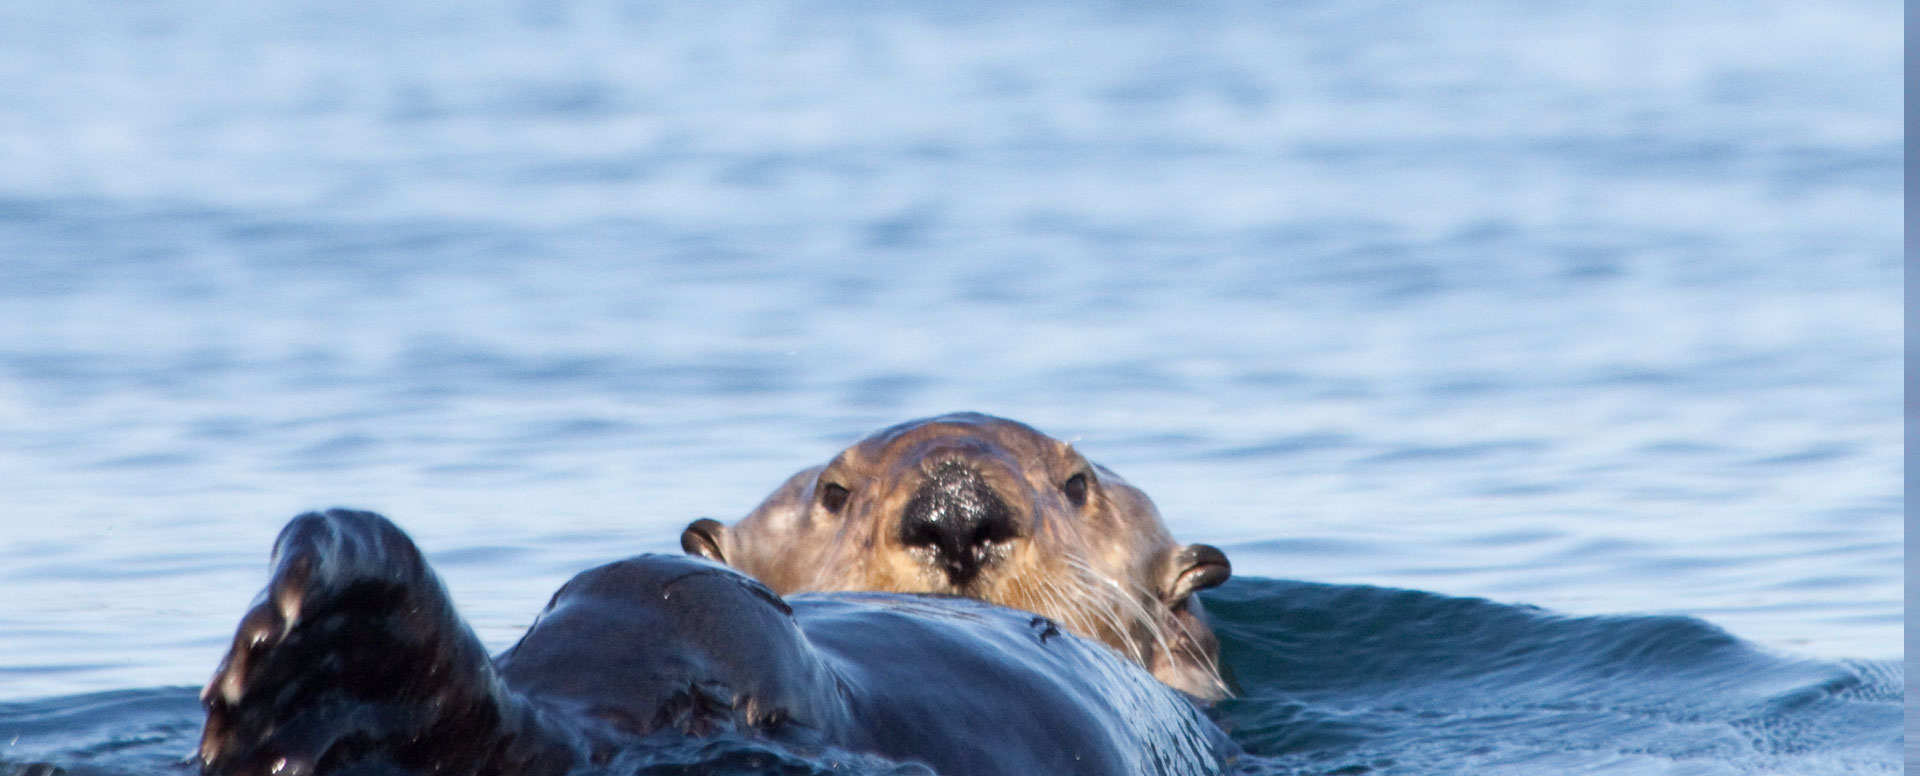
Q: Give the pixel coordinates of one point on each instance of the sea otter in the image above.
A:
(354, 660)
(983, 507)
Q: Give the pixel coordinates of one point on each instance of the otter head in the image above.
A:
(983, 507)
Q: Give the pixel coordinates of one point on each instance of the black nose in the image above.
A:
(959, 517)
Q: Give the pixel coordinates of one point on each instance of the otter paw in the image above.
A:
(352, 650)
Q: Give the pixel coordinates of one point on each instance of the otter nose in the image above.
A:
(957, 516)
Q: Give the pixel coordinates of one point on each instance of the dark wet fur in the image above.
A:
(354, 661)
(376, 668)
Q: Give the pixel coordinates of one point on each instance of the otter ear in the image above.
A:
(1193, 568)
(703, 538)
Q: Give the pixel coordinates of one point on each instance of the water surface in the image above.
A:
(1592, 309)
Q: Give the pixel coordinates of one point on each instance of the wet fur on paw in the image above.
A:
(353, 648)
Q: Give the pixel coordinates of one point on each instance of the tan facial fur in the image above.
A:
(984, 507)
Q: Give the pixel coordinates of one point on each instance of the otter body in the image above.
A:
(983, 507)
(355, 661)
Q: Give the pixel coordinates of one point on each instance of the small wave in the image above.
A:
(1355, 679)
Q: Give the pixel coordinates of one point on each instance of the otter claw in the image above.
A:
(289, 603)
(258, 631)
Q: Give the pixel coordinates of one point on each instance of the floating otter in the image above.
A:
(983, 507)
(355, 661)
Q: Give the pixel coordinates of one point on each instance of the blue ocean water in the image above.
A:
(1594, 309)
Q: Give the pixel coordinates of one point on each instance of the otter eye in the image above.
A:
(833, 497)
(1076, 489)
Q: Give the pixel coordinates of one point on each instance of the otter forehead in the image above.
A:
(922, 446)
(954, 420)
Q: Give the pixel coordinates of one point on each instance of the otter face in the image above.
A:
(983, 507)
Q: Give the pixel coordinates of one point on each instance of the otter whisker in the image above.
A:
(1190, 641)
(1097, 599)
(1076, 602)
(1128, 605)
(1070, 602)
(1058, 608)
